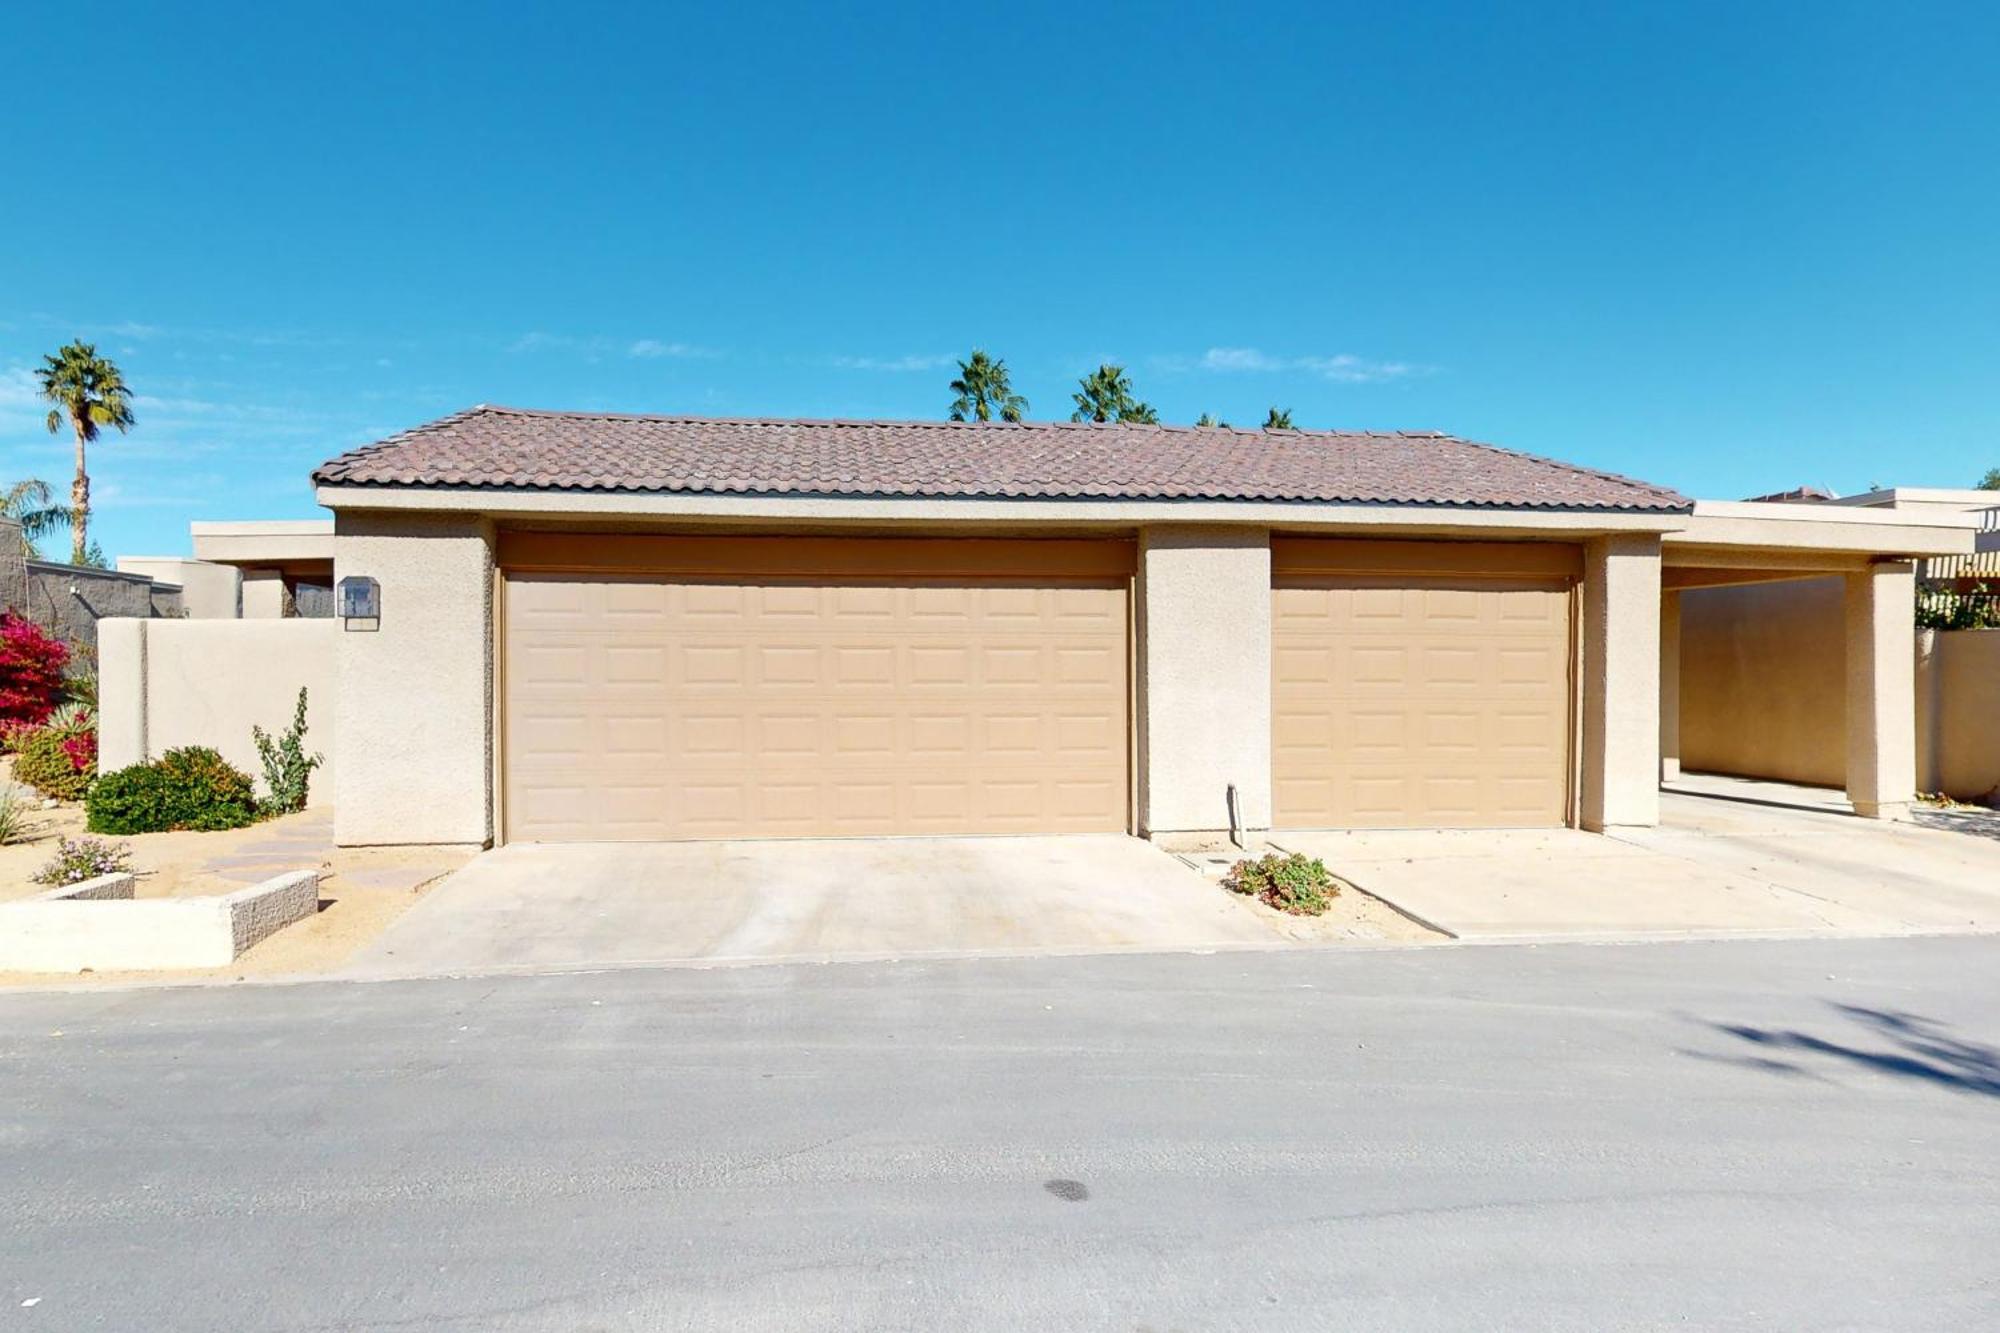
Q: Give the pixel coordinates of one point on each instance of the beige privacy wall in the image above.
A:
(168, 683)
(1763, 681)
(1763, 690)
(416, 694)
(1958, 712)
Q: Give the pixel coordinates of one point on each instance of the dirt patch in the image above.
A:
(1354, 915)
(361, 889)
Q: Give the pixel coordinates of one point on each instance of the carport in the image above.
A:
(1787, 645)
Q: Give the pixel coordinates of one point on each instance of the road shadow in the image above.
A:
(1973, 823)
(1899, 1044)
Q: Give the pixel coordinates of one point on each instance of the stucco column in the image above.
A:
(416, 694)
(1621, 681)
(263, 594)
(121, 693)
(1670, 686)
(1204, 687)
(1881, 691)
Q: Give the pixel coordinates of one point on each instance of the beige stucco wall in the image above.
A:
(1763, 681)
(168, 683)
(1958, 712)
(1621, 682)
(263, 594)
(208, 591)
(1203, 609)
(415, 695)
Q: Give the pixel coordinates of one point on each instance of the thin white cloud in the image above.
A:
(535, 341)
(19, 388)
(599, 345)
(1343, 368)
(655, 349)
(895, 364)
(139, 331)
(114, 495)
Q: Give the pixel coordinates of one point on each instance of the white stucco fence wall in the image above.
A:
(167, 683)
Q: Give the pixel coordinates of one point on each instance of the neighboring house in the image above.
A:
(599, 627)
(70, 600)
(1764, 666)
(258, 571)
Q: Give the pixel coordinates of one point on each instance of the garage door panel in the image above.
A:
(1444, 702)
(1455, 668)
(786, 735)
(725, 707)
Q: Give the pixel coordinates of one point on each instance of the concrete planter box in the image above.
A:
(99, 925)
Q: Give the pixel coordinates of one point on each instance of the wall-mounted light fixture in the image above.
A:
(360, 603)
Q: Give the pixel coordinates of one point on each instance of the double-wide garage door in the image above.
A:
(792, 687)
(1421, 685)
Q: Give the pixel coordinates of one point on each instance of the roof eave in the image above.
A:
(700, 507)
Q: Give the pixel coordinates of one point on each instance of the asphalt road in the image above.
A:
(1779, 1136)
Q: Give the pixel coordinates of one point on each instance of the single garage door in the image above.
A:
(1421, 685)
(786, 687)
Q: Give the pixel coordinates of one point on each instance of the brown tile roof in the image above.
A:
(512, 448)
(1796, 495)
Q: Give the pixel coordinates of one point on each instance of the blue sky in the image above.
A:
(1730, 248)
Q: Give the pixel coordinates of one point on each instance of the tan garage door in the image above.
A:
(1434, 694)
(798, 688)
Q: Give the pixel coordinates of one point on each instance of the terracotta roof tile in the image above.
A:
(514, 449)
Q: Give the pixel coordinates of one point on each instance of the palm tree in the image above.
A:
(1209, 419)
(1991, 481)
(32, 504)
(89, 390)
(1279, 419)
(984, 391)
(1105, 394)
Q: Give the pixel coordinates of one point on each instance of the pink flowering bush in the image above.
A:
(31, 670)
(81, 751)
(79, 859)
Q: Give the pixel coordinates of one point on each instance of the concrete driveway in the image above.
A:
(553, 906)
(1731, 857)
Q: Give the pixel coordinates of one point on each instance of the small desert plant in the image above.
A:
(81, 687)
(189, 788)
(287, 766)
(70, 718)
(79, 859)
(1297, 883)
(13, 814)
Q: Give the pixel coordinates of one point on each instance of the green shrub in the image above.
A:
(1297, 883)
(189, 788)
(57, 763)
(287, 766)
(130, 800)
(79, 859)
